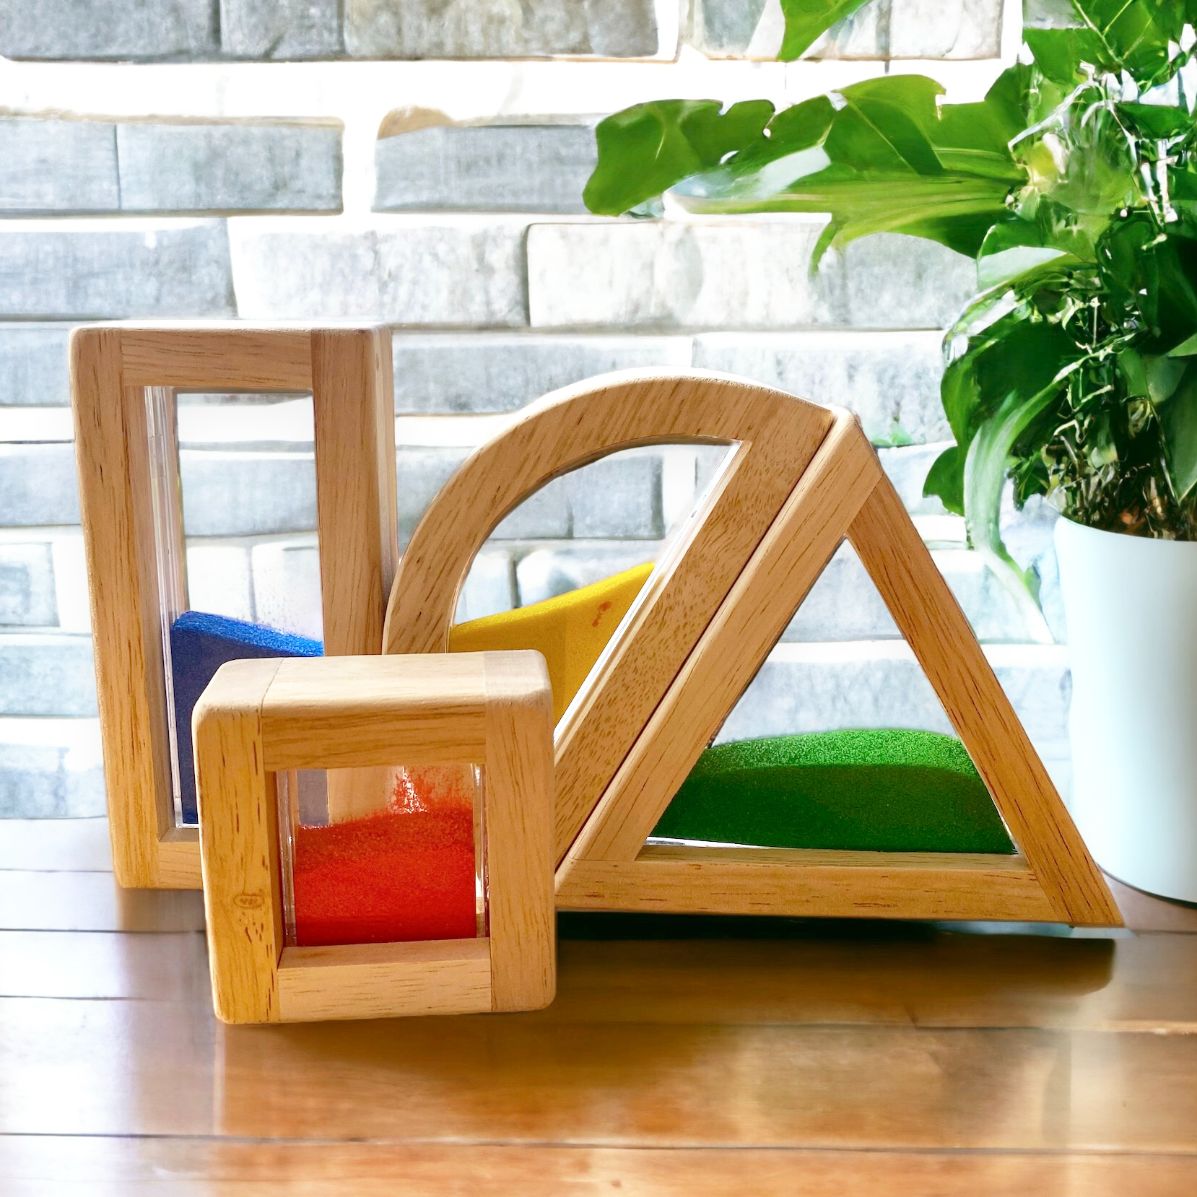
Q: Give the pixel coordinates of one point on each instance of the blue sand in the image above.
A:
(199, 645)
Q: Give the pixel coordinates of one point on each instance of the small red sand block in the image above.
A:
(407, 873)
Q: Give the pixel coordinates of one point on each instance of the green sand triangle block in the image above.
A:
(862, 790)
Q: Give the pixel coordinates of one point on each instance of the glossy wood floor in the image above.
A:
(812, 1058)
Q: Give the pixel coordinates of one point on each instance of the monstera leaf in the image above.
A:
(645, 150)
(878, 156)
(887, 161)
(808, 20)
(1072, 371)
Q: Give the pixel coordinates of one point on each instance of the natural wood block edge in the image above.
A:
(347, 369)
(362, 712)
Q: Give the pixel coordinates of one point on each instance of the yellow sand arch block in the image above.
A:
(570, 630)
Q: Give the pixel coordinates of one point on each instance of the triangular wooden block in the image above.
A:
(843, 493)
(801, 480)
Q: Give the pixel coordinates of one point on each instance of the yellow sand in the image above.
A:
(571, 630)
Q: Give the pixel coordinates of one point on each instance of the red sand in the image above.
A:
(405, 874)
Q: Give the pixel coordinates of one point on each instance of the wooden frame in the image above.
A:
(258, 718)
(113, 369)
(568, 429)
(679, 664)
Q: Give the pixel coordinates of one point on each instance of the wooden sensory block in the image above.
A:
(259, 720)
(124, 379)
(800, 479)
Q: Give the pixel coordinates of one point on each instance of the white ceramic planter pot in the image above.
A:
(1131, 606)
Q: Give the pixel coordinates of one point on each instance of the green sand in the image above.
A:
(868, 790)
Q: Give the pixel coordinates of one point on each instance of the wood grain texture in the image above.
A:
(235, 357)
(168, 966)
(843, 491)
(736, 971)
(239, 839)
(732, 648)
(1145, 912)
(775, 435)
(385, 980)
(164, 1068)
(81, 845)
(348, 372)
(56, 1167)
(780, 881)
(938, 632)
(259, 718)
(353, 401)
(824, 1058)
(31, 900)
(111, 456)
(349, 712)
(517, 832)
(69, 845)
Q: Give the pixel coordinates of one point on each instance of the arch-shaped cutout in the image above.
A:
(775, 437)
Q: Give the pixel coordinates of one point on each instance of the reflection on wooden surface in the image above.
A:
(710, 1057)
(55, 845)
(36, 901)
(40, 1167)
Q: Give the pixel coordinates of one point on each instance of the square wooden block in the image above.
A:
(259, 720)
(124, 383)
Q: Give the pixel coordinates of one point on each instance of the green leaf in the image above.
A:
(1019, 359)
(808, 20)
(1063, 54)
(1160, 121)
(1178, 423)
(802, 127)
(985, 470)
(1013, 250)
(896, 438)
(1162, 375)
(1150, 278)
(992, 393)
(644, 150)
(975, 138)
(1138, 36)
(875, 162)
(945, 479)
(885, 124)
(961, 397)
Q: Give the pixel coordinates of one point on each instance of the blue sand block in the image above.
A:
(199, 645)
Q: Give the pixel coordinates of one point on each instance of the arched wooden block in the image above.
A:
(774, 436)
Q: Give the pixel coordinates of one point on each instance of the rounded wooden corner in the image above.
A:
(519, 677)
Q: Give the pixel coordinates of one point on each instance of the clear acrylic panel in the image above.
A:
(577, 553)
(839, 741)
(247, 494)
(233, 501)
(382, 855)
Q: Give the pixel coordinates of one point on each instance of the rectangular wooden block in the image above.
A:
(122, 476)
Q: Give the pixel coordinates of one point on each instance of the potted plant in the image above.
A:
(1072, 372)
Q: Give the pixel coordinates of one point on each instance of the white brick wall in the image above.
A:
(387, 269)
(444, 198)
(953, 29)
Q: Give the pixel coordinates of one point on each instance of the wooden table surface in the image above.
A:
(680, 1057)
